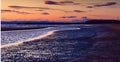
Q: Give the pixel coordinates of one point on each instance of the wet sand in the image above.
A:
(93, 44)
(106, 49)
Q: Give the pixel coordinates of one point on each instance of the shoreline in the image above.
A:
(28, 40)
(34, 38)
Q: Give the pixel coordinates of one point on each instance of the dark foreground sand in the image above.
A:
(93, 44)
(107, 48)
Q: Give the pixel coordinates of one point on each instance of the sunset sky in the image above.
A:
(62, 10)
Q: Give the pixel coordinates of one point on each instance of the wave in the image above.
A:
(31, 39)
(35, 38)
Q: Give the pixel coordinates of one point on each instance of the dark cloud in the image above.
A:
(69, 2)
(51, 2)
(26, 7)
(21, 7)
(78, 11)
(68, 17)
(64, 2)
(60, 3)
(89, 7)
(6, 11)
(19, 12)
(106, 4)
(63, 17)
(102, 5)
(45, 13)
(72, 16)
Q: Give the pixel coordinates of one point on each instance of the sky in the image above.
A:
(59, 10)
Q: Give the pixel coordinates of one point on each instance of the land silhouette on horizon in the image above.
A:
(92, 21)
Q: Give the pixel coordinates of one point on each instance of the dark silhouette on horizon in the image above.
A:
(92, 21)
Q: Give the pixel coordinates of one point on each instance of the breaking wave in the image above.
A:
(36, 38)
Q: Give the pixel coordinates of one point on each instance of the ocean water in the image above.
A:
(8, 37)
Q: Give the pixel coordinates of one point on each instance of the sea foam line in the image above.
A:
(30, 39)
(35, 38)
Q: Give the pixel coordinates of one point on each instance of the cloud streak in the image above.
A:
(106, 4)
(45, 13)
(19, 12)
(103, 5)
(26, 7)
(78, 11)
(51, 2)
(68, 17)
(67, 2)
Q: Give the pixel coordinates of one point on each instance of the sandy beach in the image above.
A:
(92, 43)
(106, 49)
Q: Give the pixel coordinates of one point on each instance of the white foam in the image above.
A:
(37, 37)
(31, 39)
